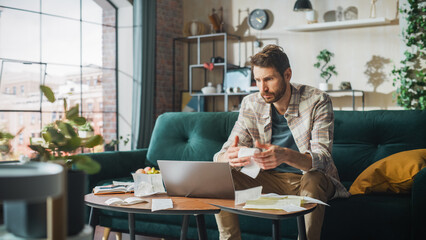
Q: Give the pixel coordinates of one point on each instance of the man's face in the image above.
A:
(271, 84)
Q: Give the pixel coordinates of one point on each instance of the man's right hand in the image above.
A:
(231, 155)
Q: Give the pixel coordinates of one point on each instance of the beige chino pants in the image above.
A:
(314, 184)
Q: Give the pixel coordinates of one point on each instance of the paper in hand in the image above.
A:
(252, 169)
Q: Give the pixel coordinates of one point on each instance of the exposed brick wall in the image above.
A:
(109, 131)
(169, 26)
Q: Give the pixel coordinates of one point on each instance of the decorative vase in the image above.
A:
(28, 219)
(325, 86)
(193, 28)
(209, 89)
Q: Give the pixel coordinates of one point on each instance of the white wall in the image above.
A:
(353, 48)
(125, 70)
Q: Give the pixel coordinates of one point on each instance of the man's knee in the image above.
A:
(317, 185)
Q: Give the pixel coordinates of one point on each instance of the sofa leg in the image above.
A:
(106, 233)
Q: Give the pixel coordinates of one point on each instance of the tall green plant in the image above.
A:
(324, 57)
(410, 78)
(62, 141)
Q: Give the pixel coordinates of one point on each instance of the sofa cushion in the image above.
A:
(392, 174)
(189, 136)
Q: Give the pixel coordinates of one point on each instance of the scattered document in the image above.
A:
(288, 203)
(161, 204)
(242, 196)
(252, 169)
(147, 184)
(305, 198)
(124, 202)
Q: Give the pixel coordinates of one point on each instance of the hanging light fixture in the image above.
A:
(302, 6)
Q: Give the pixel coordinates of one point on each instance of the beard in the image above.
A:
(271, 97)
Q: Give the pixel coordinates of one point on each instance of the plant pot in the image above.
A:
(325, 86)
(85, 134)
(28, 219)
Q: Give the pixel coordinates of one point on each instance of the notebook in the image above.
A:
(197, 179)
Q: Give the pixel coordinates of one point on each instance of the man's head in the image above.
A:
(272, 72)
(271, 56)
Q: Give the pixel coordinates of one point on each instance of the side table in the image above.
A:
(274, 215)
(181, 206)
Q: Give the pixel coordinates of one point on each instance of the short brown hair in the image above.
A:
(271, 56)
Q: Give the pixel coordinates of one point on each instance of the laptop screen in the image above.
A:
(197, 179)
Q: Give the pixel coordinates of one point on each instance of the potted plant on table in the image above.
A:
(324, 57)
(60, 144)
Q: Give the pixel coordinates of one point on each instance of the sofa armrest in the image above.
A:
(418, 205)
(117, 164)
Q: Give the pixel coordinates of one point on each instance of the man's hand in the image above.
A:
(272, 157)
(231, 155)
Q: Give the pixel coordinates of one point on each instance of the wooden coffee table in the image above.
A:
(181, 206)
(274, 215)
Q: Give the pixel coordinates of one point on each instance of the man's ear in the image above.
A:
(287, 74)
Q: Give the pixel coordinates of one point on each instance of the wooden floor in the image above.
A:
(100, 231)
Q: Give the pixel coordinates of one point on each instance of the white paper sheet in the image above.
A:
(124, 202)
(148, 184)
(160, 204)
(252, 169)
(241, 196)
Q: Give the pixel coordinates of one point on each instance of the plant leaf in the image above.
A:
(66, 129)
(79, 121)
(86, 164)
(48, 93)
(72, 113)
(71, 144)
(93, 141)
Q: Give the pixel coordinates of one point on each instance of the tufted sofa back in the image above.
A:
(360, 138)
(189, 136)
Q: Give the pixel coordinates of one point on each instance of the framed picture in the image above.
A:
(191, 103)
(239, 78)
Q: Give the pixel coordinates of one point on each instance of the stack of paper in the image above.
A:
(288, 203)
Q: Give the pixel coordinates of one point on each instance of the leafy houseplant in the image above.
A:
(62, 140)
(324, 57)
(410, 77)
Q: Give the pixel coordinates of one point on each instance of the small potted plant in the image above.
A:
(327, 70)
(86, 130)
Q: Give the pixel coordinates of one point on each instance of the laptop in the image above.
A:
(197, 179)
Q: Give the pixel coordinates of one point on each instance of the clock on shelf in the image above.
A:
(258, 19)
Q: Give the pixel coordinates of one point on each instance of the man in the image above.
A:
(293, 126)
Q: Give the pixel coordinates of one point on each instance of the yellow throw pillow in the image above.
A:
(393, 174)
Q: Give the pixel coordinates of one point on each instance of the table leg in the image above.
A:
(184, 230)
(94, 219)
(131, 217)
(276, 229)
(201, 225)
(301, 227)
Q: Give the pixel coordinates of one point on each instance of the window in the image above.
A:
(62, 44)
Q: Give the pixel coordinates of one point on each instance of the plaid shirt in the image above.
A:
(310, 118)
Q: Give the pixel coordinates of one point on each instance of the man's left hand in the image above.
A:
(272, 157)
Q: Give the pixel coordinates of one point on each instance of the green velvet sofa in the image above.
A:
(361, 138)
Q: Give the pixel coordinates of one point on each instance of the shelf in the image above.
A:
(219, 94)
(343, 24)
(207, 37)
